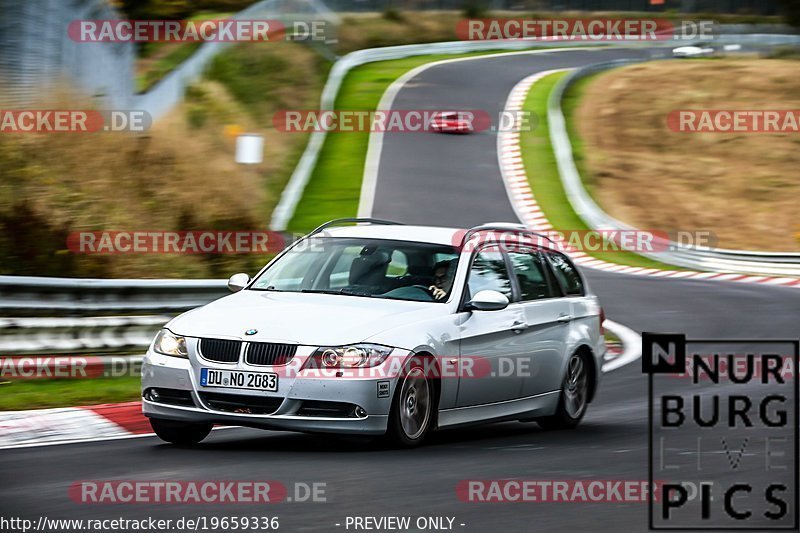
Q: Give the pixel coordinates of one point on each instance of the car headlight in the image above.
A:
(353, 356)
(168, 343)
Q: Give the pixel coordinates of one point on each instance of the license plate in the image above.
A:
(235, 379)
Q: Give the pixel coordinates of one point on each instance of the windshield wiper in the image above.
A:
(271, 288)
(348, 292)
(345, 292)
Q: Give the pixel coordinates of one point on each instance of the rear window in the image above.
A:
(566, 274)
(531, 276)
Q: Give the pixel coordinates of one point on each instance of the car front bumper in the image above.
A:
(373, 394)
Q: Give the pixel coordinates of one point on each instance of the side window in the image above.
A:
(398, 265)
(566, 274)
(531, 276)
(488, 272)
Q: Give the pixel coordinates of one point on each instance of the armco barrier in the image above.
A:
(697, 258)
(33, 296)
(92, 315)
(87, 335)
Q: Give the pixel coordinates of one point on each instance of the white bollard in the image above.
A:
(249, 149)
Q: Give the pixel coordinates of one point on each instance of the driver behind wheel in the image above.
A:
(442, 279)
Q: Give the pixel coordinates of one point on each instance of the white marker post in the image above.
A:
(249, 149)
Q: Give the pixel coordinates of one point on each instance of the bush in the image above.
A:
(791, 12)
(785, 52)
(393, 14)
(475, 9)
(177, 9)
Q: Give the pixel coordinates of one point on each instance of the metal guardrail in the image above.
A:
(78, 335)
(32, 296)
(697, 258)
(94, 315)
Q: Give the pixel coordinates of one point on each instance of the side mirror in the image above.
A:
(488, 301)
(238, 282)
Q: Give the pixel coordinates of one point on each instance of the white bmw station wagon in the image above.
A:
(371, 327)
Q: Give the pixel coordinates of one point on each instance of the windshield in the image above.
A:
(374, 268)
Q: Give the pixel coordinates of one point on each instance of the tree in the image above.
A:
(156, 9)
(791, 12)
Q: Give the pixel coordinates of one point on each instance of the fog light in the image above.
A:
(360, 412)
(154, 396)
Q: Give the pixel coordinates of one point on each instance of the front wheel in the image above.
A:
(412, 408)
(181, 433)
(574, 396)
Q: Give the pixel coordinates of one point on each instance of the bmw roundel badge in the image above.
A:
(251, 332)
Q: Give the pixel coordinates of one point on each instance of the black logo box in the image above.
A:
(650, 366)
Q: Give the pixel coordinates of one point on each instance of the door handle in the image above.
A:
(564, 317)
(518, 326)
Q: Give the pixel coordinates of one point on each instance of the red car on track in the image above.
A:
(453, 122)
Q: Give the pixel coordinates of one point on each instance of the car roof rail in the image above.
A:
(509, 227)
(342, 221)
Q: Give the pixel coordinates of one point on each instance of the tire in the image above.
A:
(180, 433)
(574, 397)
(412, 414)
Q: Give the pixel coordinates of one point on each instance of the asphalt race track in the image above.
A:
(453, 181)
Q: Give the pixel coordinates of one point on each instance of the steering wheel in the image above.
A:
(423, 288)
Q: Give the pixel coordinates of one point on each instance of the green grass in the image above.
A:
(540, 165)
(569, 106)
(38, 394)
(611, 338)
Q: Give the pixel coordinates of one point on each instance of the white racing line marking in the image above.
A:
(631, 346)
